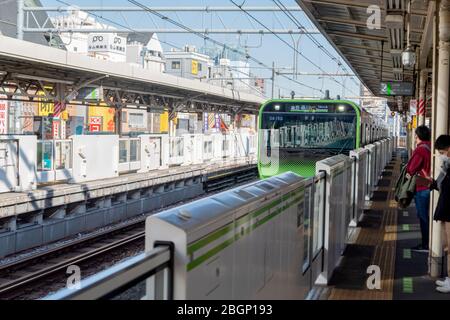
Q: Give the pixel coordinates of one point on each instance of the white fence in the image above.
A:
(89, 157)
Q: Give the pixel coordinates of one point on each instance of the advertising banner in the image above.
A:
(3, 117)
(56, 126)
(194, 69)
(95, 124)
(413, 107)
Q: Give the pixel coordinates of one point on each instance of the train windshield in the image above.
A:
(312, 126)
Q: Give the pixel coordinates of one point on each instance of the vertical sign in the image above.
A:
(95, 124)
(217, 122)
(3, 117)
(413, 107)
(56, 129)
(194, 69)
(205, 122)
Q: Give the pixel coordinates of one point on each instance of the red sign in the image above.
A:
(95, 124)
(55, 129)
(3, 117)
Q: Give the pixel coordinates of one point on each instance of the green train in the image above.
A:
(295, 134)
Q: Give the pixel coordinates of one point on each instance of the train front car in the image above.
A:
(295, 134)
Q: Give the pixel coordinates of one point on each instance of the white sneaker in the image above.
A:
(444, 289)
(443, 283)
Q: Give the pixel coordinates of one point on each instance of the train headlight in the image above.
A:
(341, 108)
(277, 107)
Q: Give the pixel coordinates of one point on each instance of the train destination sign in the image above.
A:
(397, 88)
(309, 108)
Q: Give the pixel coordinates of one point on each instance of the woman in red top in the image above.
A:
(420, 165)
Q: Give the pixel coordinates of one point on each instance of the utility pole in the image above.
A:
(20, 14)
(273, 78)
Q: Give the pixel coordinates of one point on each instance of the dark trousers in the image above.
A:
(422, 199)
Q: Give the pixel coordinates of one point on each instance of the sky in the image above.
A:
(267, 49)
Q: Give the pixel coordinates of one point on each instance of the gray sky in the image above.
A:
(270, 49)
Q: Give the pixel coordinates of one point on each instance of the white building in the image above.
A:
(374, 105)
(77, 19)
(108, 46)
(221, 74)
(188, 63)
(149, 56)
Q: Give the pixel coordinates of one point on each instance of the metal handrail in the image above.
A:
(119, 278)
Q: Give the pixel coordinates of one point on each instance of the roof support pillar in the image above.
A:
(440, 126)
(422, 99)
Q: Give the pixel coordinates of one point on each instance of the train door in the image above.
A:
(9, 165)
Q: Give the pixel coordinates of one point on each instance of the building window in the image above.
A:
(199, 67)
(136, 120)
(176, 65)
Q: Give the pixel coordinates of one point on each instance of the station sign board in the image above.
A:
(107, 42)
(396, 88)
(90, 93)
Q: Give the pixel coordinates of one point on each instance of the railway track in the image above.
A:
(40, 273)
(14, 282)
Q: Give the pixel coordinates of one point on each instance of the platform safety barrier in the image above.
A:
(54, 160)
(84, 158)
(270, 239)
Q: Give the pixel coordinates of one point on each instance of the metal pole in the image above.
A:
(20, 14)
(441, 123)
(273, 78)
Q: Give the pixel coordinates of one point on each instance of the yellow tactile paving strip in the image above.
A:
(383, 239)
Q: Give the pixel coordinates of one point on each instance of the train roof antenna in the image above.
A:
(327, 95)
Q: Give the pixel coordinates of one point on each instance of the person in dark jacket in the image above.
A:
(420, 166)
(442, 212)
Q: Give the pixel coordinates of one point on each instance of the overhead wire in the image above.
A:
(208, 38)
(284, 41)
(122, 25)
(294, 19)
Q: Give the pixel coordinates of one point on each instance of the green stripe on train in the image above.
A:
(224, 230)
(191, 265)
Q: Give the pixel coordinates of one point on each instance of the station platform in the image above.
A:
(65, 210)
(14, 203)
(384, 237)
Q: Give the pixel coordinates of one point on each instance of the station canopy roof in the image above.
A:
(27, 59)
(370, 49)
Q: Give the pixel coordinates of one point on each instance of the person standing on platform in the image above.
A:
(442, 212)
(420, 165)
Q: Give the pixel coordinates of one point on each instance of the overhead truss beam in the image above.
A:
(42, 29)
(163, 9)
